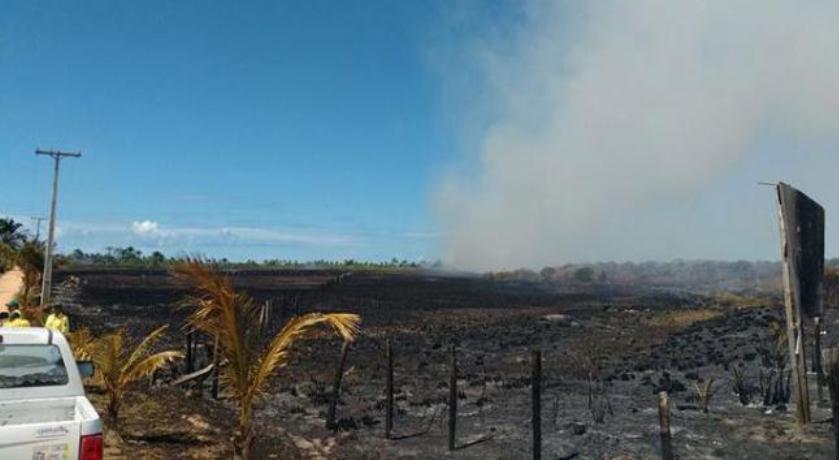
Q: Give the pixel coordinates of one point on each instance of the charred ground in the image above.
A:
(629, 341)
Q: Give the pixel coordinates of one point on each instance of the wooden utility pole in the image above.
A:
(795, 329)
(46, 285)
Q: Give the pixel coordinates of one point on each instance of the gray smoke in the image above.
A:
(597, 115)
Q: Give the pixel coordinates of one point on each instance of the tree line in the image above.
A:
(133, 257)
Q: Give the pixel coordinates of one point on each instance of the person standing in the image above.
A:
(4, 312)
(57, 320)
(17, 320)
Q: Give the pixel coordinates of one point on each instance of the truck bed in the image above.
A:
(38, 411)
(43, 428)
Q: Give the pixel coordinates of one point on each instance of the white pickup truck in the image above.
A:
(44, 414)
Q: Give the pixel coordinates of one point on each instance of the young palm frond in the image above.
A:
(120, 364)
(81, 343)
(232, 318)
(277, 354)
(704, 393)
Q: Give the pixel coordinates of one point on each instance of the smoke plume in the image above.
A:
(600, 120)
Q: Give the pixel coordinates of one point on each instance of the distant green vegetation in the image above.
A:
(135, 258)
(17, 249)
(12, 238)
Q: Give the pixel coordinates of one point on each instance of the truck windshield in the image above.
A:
(31, 365)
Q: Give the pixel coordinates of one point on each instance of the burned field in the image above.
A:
(606, 353)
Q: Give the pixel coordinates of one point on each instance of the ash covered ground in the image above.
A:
(628, 342)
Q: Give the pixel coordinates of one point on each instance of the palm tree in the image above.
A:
(232, 318)
(120, 363)
(10, 233)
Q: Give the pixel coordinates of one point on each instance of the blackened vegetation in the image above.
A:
(606, 353)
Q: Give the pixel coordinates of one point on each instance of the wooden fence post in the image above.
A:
(389, 400)
(818, 368)
(336, 387)
(536, 385)
(831, 368)
(817, 349)
(263, 318)
(795, 329)
(216, 370)
(664, 421)
(189, 354)
(452, 397)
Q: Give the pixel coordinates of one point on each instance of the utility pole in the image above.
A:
(46, 285)
(38, 221)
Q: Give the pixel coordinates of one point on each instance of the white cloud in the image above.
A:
(145, 228)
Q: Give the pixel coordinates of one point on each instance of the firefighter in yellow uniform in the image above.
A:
(57, 320)
(16, 320)
(4, 312)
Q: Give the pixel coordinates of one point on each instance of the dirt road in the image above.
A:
(10, 283)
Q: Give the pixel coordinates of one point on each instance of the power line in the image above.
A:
(56, 155)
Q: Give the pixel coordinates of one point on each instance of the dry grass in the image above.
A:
(730, 299)
(683, 318)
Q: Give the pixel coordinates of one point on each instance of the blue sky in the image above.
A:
(268, 129)
(491, 134)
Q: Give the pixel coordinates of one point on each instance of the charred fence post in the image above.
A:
(817, 346)
(263, 318)
(216, 369)
(283, 311)
(189, 352)
(831, 368)
(817, 356)
(389, 399)
(336, 387)
(536, 385)
(664, 422)
(801, 222)
(452, 396)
